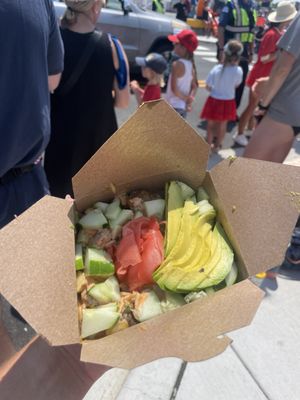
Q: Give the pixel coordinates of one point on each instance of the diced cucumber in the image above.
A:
(155, 208)
(232, 276)
(102, 206)
(194, 296)
(78, 257)
(93, 220)
(109, 307)
(172, 301)
(186, 190)
(202, 194)
(138, 214)
(113, 209)
(147, 306)
(209, 290)
(98, 262)
(193, 199)
(96, 320)
(116, 231)
(122, 218)
(106, 292)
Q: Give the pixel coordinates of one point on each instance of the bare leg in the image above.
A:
(248, 112)
(271, 141)
(251, 124)
(210, 132)
(221, 131)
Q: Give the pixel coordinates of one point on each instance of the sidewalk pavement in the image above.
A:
(262, 363)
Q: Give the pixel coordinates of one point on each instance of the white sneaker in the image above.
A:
(241, 140)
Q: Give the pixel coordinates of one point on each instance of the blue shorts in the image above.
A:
(21, 192)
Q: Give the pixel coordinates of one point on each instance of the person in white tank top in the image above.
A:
(182, 83)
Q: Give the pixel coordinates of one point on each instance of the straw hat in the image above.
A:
(285, 11)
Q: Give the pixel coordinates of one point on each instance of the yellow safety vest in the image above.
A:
(241, 28)
(159, 7)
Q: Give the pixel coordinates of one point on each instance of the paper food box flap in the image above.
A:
(260, 203)
(155, 145)
(37, 269)
(192, 332)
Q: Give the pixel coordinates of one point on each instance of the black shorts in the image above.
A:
(296, 130)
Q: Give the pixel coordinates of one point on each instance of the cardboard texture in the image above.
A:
(256, 205)
(191, 332)
(37, 269)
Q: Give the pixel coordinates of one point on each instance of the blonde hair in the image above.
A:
(233, 51)
(75, 7)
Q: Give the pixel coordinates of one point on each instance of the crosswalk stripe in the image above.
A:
(203, 48)
(210, 59)
(205, 53)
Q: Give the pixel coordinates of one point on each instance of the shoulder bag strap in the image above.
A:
(82, 63)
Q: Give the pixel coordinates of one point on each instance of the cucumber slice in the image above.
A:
(96, 320)
(202, 194)
(106, 292)
(138, 214)
(186, 190)
(78, 257)
(113, 209)
(98, 262)
(116, 231)
(102, 206)
(209, 290)
(93, 220)
(232, 276)
(122, 218)
(147, 305)
(155, 208)
(109, 307)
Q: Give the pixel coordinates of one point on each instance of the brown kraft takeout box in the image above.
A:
(257, 203)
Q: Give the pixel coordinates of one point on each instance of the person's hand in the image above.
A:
(40, 371)
(260, 112)
(259, 86)
(134, 86)
(189, 102)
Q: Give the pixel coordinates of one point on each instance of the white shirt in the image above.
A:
(224, 80)
(183, 85)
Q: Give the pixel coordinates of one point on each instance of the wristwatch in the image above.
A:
(262, 107)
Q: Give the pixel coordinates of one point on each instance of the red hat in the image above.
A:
(187, 38)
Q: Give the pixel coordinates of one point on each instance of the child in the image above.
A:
(153, 67)
(220, 106)
(182, 83)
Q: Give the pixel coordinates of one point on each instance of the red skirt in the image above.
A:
(219, 110)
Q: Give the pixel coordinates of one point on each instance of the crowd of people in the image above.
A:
(87, 74)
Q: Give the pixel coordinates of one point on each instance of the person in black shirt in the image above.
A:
(181, 10)
(83, 117)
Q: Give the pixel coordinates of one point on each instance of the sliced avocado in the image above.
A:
(223, 267)
(98, 262)
(174, 212)
(192, 246)
(232, 275)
